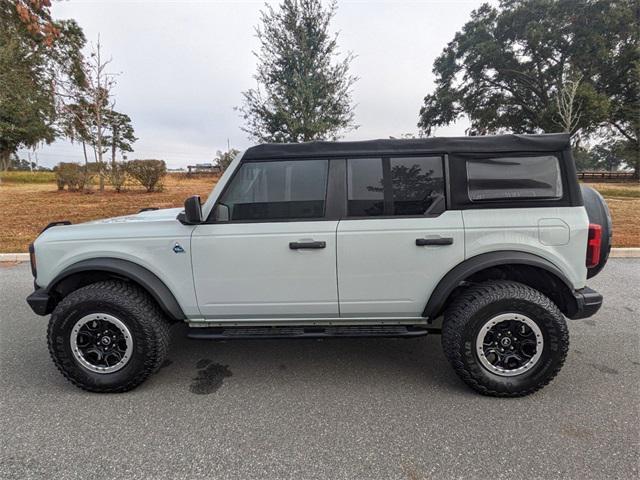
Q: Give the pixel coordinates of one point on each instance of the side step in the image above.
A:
(350, 331)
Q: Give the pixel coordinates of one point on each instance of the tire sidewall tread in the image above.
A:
(474, 307)
(146, 322)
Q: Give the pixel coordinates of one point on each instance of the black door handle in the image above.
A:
(421, 242)
(299, 245)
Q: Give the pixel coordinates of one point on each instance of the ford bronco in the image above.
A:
(486, 240)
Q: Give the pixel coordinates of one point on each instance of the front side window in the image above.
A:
(514, 178)
(278, 190)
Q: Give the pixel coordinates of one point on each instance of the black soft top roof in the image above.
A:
(553, 142)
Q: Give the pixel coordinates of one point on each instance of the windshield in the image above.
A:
(217, 189)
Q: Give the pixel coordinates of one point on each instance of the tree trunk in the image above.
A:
(84, 151)
(113, 146)
(5, 157)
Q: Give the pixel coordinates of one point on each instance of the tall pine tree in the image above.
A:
(303, 90)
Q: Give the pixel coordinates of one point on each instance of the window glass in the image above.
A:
(417, 184)
(365, 190)
(514, 178)
(278, 190)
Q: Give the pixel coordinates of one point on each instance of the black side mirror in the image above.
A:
(192, 211)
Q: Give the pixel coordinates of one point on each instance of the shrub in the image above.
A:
(60, 181)
(149, 173)
(69, 174)
(74, 176)
(117, 174)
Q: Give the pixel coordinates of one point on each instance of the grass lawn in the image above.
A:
(25, 208)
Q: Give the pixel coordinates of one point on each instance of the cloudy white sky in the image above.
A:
(184, 64)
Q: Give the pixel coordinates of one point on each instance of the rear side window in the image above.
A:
(395, 186)
(417, 184)
(278, 190)
(508, 178)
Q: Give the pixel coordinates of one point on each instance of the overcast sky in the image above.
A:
(184, 64)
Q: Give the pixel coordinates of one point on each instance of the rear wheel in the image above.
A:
(504, 338)
(108, 337)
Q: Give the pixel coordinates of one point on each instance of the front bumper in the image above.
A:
(40, 302)
(588, 302)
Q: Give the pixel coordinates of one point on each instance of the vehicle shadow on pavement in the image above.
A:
(394, 362)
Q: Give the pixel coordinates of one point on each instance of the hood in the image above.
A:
(148, 216)
(153, 223)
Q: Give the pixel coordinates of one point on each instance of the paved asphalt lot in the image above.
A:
(370, 408)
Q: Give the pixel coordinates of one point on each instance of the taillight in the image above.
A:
(593, 245)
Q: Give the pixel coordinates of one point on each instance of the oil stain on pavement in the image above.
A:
(604, 368)
(209, 377)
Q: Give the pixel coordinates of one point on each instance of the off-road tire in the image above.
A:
(136, 309)
(474, 307)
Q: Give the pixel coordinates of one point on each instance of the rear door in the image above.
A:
(397, 240)
(275, 255)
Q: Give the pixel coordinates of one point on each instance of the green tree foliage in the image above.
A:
(224, 159)
(37, 56)
(304, 90)
(509, 66)
(120, 137)
(609, 155)
(584, 159)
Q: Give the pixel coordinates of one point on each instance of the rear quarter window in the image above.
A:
(514, 178)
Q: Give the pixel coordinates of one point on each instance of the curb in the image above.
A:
(625, 253)
(14, 257)
(615, 253)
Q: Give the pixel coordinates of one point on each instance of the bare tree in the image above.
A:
(569, 108)
(99, 89)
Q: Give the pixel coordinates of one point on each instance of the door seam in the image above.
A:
(337, 278)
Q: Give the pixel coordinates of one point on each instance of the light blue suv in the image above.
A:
(488, 240)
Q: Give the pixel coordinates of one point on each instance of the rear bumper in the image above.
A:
(588, 302)
(40, 302)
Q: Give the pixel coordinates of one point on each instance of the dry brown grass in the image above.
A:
(624, 202)
(26, 208)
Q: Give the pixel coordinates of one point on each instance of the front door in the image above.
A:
(397, 240)
(275, 255)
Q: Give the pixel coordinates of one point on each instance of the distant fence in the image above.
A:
(607, 176)
(203, 169)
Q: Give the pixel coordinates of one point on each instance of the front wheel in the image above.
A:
(504, 338)
(108, 336)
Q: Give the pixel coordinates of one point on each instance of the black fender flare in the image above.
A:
(128, 270)
(472, 265)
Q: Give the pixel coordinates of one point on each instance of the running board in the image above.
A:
(350, 331)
